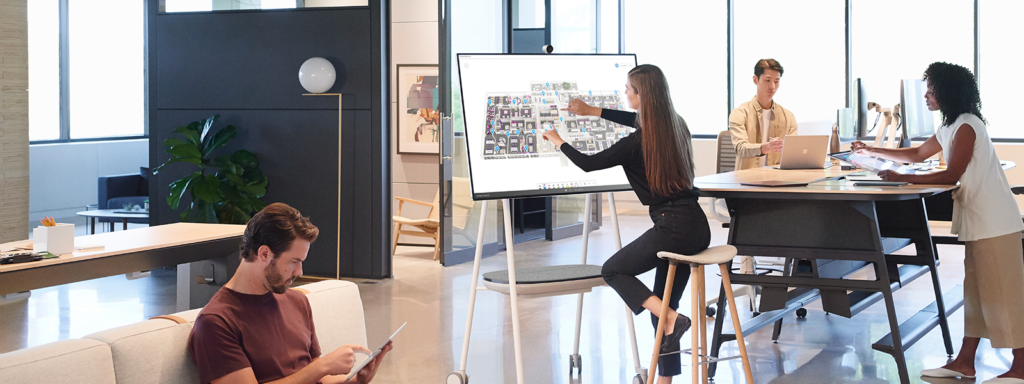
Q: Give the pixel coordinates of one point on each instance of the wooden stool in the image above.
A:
(714, 255)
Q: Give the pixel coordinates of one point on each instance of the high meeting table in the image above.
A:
(827, 231)
(124, 252)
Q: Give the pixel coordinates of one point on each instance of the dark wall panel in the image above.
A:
(251, 60)
(244, 66)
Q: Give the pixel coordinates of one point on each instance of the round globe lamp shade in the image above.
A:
(317, 75)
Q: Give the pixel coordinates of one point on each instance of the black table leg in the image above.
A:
(92, 221)
(125, 224)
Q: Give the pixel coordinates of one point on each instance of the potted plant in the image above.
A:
(224, 189)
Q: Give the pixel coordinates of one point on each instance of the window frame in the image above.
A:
(65, 81)
(730, 57)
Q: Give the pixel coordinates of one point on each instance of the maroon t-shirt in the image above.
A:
(271, 333)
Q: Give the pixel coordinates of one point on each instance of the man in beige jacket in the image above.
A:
(755, 145)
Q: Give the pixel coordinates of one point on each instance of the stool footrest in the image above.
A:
(708, 359)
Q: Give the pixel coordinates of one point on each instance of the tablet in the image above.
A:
(375, 353)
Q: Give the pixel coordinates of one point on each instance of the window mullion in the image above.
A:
(65, 95)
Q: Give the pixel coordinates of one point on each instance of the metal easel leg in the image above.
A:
(641, 372)
(575, 360)
(513, 295)
(460, 376)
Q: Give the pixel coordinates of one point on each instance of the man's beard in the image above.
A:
(277, 282)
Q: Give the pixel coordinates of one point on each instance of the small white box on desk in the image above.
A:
(58, 240)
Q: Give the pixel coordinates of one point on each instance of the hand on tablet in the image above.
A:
(370, 370)
(859, 147)
(342, 359)
(554, 137)
(888, 175)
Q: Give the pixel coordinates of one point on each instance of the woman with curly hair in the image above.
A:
(985, 217)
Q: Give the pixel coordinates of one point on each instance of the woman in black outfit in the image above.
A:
(658, 161)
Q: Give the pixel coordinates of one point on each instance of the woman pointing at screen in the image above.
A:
(658, 161)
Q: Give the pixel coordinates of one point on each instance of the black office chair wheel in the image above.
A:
(638, 379)
(801, 313)
(710, 311)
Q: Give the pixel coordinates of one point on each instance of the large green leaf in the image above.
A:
(186, 150)
(223, 162)
(245, 159)
(172, 142)
(257, 204)
(208, 189)
(173, 160)
(184, 215)
(190, 132)
(179, 187)
(207, 213)
(220, 139)
(206, 128)
(236, 181)
(239, 216)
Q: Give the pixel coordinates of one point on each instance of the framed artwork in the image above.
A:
(418, 121)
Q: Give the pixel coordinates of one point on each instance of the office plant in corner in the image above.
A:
(226, 188)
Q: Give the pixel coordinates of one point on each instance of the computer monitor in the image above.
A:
(859, 103)
(918, 121)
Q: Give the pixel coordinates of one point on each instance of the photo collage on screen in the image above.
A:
(516, 121)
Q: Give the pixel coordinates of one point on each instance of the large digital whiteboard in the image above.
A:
(509, 100)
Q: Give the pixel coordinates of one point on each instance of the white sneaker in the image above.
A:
(943, 372)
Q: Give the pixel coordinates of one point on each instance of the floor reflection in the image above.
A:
(433, 299)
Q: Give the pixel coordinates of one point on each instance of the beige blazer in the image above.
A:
(745, 128)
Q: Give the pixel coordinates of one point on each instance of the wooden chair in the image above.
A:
(427, 227)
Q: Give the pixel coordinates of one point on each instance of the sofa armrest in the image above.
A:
(117, 186)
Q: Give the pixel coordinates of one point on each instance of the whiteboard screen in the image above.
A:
(509, 100)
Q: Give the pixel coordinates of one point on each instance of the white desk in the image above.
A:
(125, 252)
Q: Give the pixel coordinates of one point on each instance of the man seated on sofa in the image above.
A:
(255, 329)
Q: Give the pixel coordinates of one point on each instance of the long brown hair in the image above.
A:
(665, 139)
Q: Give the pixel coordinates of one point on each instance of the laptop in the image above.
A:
(804, 152)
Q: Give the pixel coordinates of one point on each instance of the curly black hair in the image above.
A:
(955, 90)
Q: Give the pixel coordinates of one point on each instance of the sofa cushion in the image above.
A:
(153, 351)
(337, 313)
(67, 361)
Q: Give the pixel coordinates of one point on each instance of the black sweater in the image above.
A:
(627, 153)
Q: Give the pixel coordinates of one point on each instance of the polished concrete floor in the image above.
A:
(434, 299)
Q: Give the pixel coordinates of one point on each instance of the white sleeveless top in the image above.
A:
(983, 206)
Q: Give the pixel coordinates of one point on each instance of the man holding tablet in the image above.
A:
(255, 329)
(758, 126)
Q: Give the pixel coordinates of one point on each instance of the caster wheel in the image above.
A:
(801, 313)
(710, 311)
(575, 361)
(638, 379)
(457, 378)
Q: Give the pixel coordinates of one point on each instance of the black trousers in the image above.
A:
(680, 226)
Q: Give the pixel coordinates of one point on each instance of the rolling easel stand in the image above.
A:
(540, 289)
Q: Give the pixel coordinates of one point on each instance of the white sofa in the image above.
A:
(156, 350)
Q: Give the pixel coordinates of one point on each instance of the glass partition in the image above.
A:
(472, 27)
